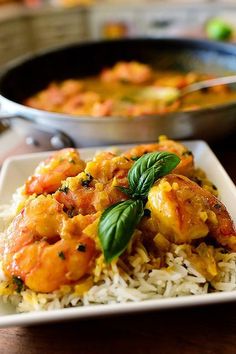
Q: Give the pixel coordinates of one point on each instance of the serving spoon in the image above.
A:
(226, 80)
(170, 94)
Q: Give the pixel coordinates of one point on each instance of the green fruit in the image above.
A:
(218, 30)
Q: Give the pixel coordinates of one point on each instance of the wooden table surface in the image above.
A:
(200, 330)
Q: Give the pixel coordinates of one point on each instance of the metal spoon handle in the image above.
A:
(208, 83)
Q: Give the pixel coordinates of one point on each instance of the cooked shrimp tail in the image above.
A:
(50, 173)
(39, 251)
(183, 211)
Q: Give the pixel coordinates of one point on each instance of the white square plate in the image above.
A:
(15, 171)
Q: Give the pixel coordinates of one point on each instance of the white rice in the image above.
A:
(179, 278)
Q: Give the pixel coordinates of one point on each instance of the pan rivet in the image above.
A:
(58, 142)
(31, 141)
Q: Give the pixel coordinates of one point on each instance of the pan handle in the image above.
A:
(59, 139)
(5, 116)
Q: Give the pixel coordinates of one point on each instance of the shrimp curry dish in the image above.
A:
(128, 89)
(124, 226)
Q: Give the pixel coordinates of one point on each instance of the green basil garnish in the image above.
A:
(144, 184)
(117, 225)
(125, 190)
(118, 222)
(148, 168)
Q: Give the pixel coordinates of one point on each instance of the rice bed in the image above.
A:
(180, 278)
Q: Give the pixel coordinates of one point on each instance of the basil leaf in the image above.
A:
(148, 168)
(125, 190)
(145, 182)
(117, 225)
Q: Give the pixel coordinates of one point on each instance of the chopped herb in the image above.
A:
(217, 206)
(214, 187)
(72, 161)
(18, 282)
(81, 247)
(147, 213)
(134, 158)
(64, 189)
(61, 255)
(86, 182)
(187, 153)
(71, 212)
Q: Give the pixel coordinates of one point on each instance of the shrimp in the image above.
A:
(81, 103)
(51, 98)
(133, 72)
(49, 173)
(186, 165)
(54, 96)
(71, 87)
(104, 108)
(183, 211)
(40, 252)
(96, 188)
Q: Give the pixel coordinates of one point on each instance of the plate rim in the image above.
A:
(105, 310)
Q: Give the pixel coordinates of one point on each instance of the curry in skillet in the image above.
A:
(128, 89)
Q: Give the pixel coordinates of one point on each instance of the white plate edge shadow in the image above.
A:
(93, 311)
(201, 150)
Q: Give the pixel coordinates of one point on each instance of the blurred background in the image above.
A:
(28, 26)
